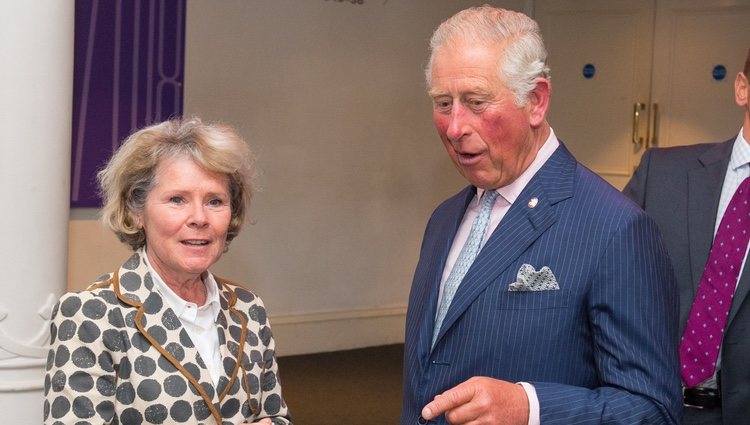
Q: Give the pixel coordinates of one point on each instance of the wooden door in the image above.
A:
(631, 74)
(699, 47)
(600, 56)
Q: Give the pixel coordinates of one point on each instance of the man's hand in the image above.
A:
(479, 401)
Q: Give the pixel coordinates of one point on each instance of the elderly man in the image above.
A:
(695, 193)
(541, 293)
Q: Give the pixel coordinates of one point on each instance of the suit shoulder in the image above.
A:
(688, 149)
(600, 207)
(99, 295)
(600, 196)
(105, 281)
(245, 300)
(680, 153)
(102, 289)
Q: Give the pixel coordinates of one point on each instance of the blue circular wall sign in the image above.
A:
(588, 71)
(719, 72)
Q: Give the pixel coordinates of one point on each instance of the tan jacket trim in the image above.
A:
(116, 287)
(178, 365)
(243, 337)
(97, 285)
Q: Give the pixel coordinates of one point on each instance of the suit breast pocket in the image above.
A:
(534, 300)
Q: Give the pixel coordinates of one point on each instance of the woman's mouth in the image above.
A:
(195, 242)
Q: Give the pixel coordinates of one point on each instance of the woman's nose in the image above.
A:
(198, 216)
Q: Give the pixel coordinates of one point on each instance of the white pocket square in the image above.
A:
(528, 279)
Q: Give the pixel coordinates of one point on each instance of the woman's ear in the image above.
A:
(136, 219)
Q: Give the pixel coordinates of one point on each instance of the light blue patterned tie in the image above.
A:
(465, 259)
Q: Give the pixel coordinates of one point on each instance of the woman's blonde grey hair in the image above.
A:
(129, 176)
(525, 57)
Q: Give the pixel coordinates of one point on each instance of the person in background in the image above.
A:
(161, 339)
(542, 294)
(699, 197)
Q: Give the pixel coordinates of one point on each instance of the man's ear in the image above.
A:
(538, 102)
(741, 89)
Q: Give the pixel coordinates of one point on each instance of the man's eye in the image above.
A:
(175, 200)
(442, 105)
(476, 103)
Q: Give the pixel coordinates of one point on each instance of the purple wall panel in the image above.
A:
(128, 73)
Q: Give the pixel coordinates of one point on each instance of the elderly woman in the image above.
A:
(162, 340)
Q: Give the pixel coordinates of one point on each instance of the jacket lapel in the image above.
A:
(521, 226)
(743, 287)
(704, 190)
(160, 326)
(445, 233)
(232, 328)
(722, 154)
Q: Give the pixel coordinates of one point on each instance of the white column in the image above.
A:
(36, 85)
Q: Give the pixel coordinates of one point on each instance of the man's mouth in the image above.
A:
(466, 157)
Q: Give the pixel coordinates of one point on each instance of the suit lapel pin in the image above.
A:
(533, 202)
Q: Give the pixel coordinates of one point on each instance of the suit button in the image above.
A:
(421, 421)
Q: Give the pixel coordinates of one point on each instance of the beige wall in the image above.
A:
(331, 96)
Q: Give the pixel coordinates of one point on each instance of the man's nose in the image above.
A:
(457, 127)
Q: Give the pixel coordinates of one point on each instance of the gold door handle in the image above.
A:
(637, 108)
(652, 133)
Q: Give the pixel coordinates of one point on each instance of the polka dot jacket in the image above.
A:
(119, 355)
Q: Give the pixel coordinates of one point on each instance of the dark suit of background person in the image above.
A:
(680, 188)
(602, 348)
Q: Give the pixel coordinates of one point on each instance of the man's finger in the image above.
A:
(454, 397)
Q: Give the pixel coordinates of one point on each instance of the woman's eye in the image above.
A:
(216, 202)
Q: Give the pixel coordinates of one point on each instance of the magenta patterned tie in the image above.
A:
(699, 347)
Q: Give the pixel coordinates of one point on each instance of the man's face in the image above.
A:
(742, 97)
(488, 138)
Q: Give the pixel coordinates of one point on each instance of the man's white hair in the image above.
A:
(524, 58)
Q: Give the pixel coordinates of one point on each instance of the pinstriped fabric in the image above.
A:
(603, 348)
(466, 257)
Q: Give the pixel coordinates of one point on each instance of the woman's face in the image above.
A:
(185, 219)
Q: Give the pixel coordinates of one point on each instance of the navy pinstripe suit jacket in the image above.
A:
(601, 349)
